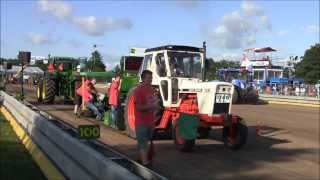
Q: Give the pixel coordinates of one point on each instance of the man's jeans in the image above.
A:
(114, 116)
(96, 111)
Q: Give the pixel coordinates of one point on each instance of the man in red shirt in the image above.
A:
(145, 105)
(114, 91)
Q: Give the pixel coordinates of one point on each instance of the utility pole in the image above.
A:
(93, 56)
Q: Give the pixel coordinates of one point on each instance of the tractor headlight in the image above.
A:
(224, 89)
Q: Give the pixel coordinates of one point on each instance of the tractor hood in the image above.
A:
(207, 93)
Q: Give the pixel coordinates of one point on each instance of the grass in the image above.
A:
(15, 161)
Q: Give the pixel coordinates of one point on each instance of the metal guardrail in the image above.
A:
(299, 100)
(76, 159)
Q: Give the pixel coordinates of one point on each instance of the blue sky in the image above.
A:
(70, 28)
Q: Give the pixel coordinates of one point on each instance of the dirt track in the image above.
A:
(287, 148)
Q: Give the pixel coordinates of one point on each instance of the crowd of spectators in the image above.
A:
(292, 90)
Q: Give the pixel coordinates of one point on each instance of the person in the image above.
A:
(145, 106)
(297, 90)
(87, 91)
(78, 97)
(114, 91)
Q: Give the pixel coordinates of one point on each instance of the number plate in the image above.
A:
(89, 131)
(223, 98)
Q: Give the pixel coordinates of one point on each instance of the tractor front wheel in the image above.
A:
(129, 114)
(48, 90)
(182, 144)
(39, 91)
(235, 135)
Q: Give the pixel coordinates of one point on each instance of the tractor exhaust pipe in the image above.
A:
(204, 48)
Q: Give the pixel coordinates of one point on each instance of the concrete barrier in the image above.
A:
(75, 159)
(291, 100)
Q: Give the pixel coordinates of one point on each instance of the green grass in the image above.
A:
(15, 161)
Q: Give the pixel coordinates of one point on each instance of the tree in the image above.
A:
(213, 66)
(95, 62)
(309, 67)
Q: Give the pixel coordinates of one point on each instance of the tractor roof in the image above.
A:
(175, 48)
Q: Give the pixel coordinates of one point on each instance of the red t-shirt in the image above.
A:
(86, 95)
(142, 95)
(114, 93)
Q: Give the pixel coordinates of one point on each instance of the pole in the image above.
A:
(204, 61)
(22, 68)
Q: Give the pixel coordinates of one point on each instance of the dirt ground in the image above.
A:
(286, 147)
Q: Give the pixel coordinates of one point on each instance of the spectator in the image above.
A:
(114, 91)
(297, 91)
(88, 93)
(285, 90)
(78, 97)
(302, 91)
(145, 105)
(274, 89)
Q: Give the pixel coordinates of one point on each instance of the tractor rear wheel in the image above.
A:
(129, 114)
(39, 91)
(48, 90)
(182, 144)
(235, 96)
(235, 135)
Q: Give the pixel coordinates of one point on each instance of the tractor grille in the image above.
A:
(221, 108)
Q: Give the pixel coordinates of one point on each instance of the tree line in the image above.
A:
(308, 68)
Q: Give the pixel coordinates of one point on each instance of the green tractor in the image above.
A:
(59, 80)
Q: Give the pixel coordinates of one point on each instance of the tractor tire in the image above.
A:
(129, 116)
(252, 96)
(181, 144)
(48, 91)
(235, 96)
(203, 132)
(39, 91)
(237, 138)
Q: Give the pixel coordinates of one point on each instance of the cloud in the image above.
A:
(57, 8)
(250, 9)
(89, 25)
(74, 43)
(282, 32)
(97, 27)
(311, 29)
(238, 29)
(40, 39)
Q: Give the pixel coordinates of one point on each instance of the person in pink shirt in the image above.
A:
(87, 91)
(114, 92)
(145, 105)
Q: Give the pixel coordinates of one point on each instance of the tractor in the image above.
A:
(244, 91)
(59, 80)
(188, 106)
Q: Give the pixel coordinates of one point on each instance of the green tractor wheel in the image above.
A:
(48, 90)
(39, 91)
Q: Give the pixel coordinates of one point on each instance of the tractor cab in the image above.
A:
(60, 64)
(173, 66)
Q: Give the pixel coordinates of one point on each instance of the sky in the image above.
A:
(71, 28)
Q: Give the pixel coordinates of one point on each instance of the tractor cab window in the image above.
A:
(161, 65)
(146, 62)
(185, 64)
